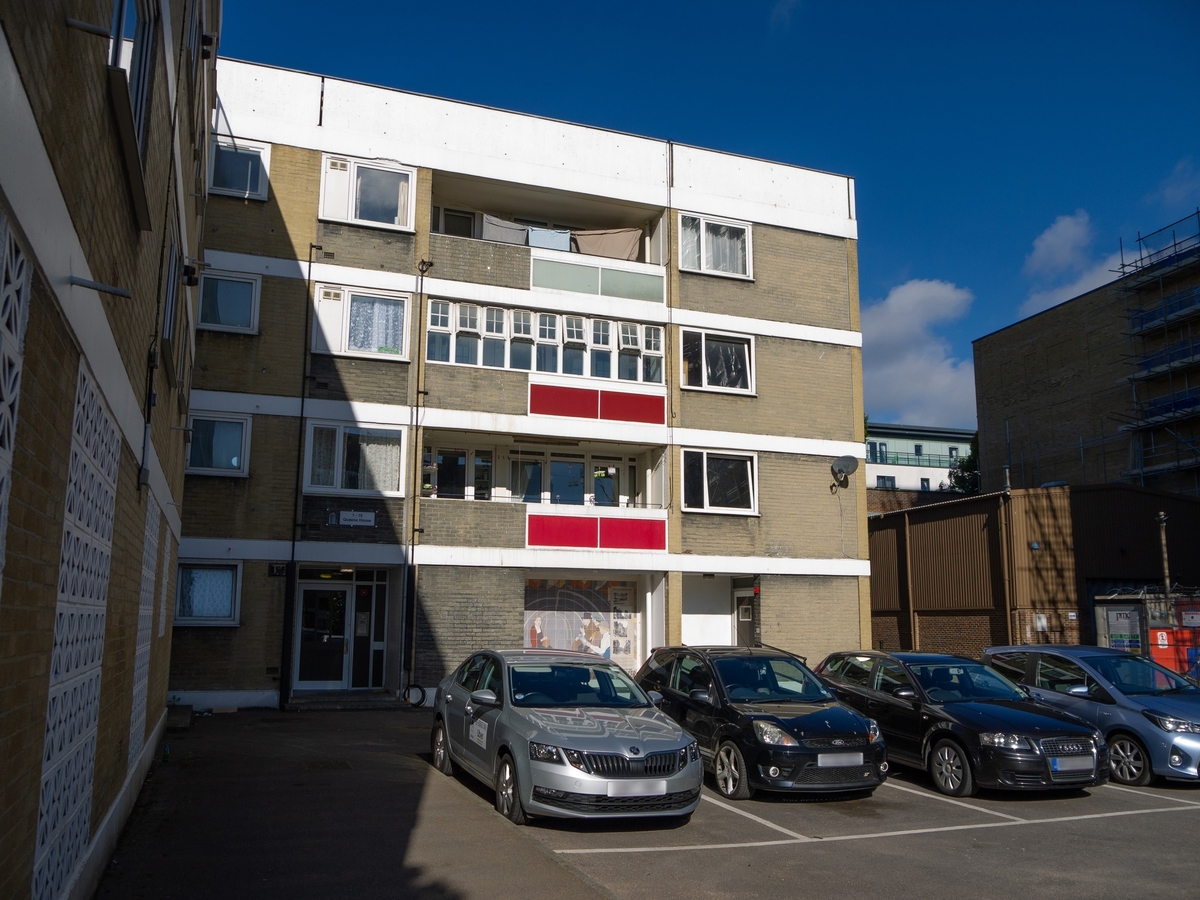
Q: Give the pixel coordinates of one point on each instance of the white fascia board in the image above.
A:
(766, 443)
(28, 180)
(330, 552)
(246, 404)
(791, 330)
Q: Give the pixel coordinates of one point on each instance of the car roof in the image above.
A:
(906, 656)
(725, 650)
(547, 656)
(1064, 649)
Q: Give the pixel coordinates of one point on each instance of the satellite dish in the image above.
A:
(842, 468)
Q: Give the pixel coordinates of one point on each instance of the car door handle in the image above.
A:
(468, 709)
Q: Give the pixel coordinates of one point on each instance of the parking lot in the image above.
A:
(345, 804)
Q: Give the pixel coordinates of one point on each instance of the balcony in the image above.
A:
(925, 460)
(1163, 252)
(1175, 356)
(1170, 407)
(1174, 307)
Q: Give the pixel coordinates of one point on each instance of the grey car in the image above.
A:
(1149, 715)
(563, 734)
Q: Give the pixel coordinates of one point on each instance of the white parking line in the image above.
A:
(990, 812)
(758, 819)
(1128, 790)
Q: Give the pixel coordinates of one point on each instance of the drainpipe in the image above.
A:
(409, 600)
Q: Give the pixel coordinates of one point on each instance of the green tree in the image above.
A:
(964, 471)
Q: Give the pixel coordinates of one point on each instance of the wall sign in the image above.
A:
(350, 517)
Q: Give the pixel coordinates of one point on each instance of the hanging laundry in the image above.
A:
(504, 231)
(550, 239)
(615, 243)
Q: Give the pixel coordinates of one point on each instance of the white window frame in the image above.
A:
(707, 509)
(256, 295)
(437, 220)
(429, 486)
(328, 315)
(504, 490)
(243, 471)
(234, 619)
(236, 143)
(353, 164)
(716, 220)
(705, 333)
(339, 462)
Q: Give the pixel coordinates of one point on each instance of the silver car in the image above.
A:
(563, 734)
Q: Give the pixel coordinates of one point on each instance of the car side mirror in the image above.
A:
(700, 696)
(655, 697)
(485, 698)
(1079, 690)
(904, 692)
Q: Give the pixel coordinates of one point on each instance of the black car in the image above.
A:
(966, 724)
(763, 720)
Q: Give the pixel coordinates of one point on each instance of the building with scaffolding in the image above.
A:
(1104, 387)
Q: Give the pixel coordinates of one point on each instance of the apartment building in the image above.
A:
(468, 377)
(104, 116)
(913, 457)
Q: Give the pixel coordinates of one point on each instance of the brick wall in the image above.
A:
(885, 632)
(459, 523)
(810, 615)
(365, 248)
(467, 387)
(965, 633)
(360, 380)
(479, 262)
(316, 512)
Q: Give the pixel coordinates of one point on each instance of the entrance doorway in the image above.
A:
(322, 648)
(743, 607)
(341, 630)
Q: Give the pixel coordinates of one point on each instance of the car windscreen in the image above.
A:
(759, 679)
(1138, 675)
(573, 685)
(949, 682)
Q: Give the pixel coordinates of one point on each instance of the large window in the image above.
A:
(229, 301)
(717, 361)
(472, 335)
(714, 246)
(367, 193)
(239, 168)
(208, 593)
(220, 445)
(356, 458)
(715, 481)
(133, 29)
(360, 322)
(457, 473)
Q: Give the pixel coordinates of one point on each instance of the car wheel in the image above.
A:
(439, 747)
(951, 770)
(730, 769)
(508, 794)
(1128, 761)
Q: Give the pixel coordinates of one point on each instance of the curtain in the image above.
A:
(206, 593)
(371, 460)
(376, 324)
(503, 231)
(689, 242)
(615, 243)
(324, 448)
(726, 248)
(726, 362)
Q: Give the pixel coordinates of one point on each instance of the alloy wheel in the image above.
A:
(506, 790)
(1128, 761)
(439, 748)
(728, 776)
(948, 768)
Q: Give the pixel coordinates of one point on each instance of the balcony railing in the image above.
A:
(1173, 307)
(1171, 406)
(1171, 356)
(928, 460)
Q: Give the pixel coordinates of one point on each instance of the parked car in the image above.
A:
(563, 734)
(764, 720)
(967, 725)
(1149, 714)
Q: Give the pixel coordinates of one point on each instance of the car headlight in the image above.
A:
(770, 733)
(1005, 741)
(873, 731)
(575, 758)
(544, 753)
(1172, 724)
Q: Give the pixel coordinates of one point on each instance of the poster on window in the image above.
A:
(597, 617)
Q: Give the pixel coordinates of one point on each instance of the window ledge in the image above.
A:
(227, 329)
(745, 514)
(118, 86)
(729, 392)
(216, 473)
(384, 357)
(239, 195)
(732, 275)
(205, 623)
(378, 226)
(309, 490)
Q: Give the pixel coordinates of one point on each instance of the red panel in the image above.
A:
(546, 400)
(633, 534)
(633, 407)
(562, 531)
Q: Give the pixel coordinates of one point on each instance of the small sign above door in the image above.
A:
(350, 517)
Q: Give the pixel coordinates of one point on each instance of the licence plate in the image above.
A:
(839, 759)
(1070, 763)
(636, 788)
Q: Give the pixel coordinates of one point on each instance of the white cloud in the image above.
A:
(1061, 248)
(1181, 188)
(1098, 274)
(909, 373)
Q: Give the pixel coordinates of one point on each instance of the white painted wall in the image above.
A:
(708, 611)
(908, 478)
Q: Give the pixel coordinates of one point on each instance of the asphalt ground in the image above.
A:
(346, 804)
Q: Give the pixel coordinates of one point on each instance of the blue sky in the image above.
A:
(1000, 150)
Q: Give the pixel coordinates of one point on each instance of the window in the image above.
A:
(890, 675)
(718, 482)
(716, 361)
(885, 482)
(208, 593)
(171, 284)
(457, 222)
(374, 193)
(239, 168)
(714, 246)
(457, 474)
(855, 669)
(953, 453)
(1059, 674)
(229, 302)
(692, 675)
(918, 449)
(924, 484)
(219, 445)
(872, 451)
(353, 458)
(361, 323)
(1010, 665)
(133, 29)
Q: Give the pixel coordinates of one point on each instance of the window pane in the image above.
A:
(653, 337)
(466, 348)
(573, 360)
(693, 343)
(728, 362)
(495, 320)
(216, 445)
(631, 285)
(376, 324)
(206, 593)
(689, 242)
(566, 482)
(601, 332)
(381, 196)
(468, 316)
(565, 277)
(523, 322)
(460, 224)
(652, 369)
(493, 352)
(605, 484)
(438, 346)
(693, 480)
(227, 301)
(527, 480)
(483, 474)
(451, 473)
(370, 460)
(726, 246)
(547, 357)
(627, 366)
(237, 169)
(324, 449)
(521, 356)
(439, 314)
(547, 327)
(728, 481)
(573, 326)
(601, 364)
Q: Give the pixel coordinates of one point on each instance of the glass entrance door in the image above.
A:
(322, 647)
